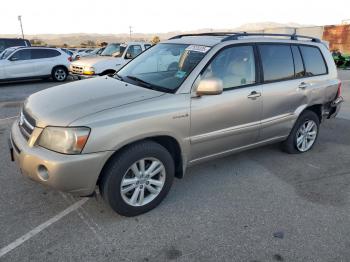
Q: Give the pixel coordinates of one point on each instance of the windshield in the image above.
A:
(113, 49)
(5, 54)
(163, 67)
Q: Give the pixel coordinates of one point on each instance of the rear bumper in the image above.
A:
(76, 174)
(335, 107)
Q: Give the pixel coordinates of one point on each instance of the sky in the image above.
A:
(156, 16)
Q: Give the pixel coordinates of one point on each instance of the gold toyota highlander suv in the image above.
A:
(184, 101)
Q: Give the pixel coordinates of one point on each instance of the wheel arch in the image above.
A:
(64, 66)
(168, 142)
(316, 108)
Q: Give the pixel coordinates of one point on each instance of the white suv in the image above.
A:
(110, 61)
(17, 63)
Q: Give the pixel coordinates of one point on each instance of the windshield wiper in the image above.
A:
(118, 77)
(148, 85)
(139, 80)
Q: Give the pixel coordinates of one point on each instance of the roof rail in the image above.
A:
(207, 34)
(291, 36)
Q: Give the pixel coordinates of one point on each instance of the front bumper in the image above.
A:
(76, 174)
(81, 76)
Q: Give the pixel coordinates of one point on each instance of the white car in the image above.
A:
(110, 61)
(17, 63)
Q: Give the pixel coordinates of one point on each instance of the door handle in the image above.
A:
(254, 95)
(303, 85)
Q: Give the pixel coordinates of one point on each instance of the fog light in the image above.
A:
(43, 173)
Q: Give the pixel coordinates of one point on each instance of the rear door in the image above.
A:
(231, 120)
(287, 88)
(45, 59)
(20, 64)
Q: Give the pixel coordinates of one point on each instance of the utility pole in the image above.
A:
(130, 31)
(20, 22)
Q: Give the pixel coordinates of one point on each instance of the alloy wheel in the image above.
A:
(143, 181)
(306, 135)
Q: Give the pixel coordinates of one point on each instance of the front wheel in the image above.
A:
(138, 178)
(304, 134)
(59, 74)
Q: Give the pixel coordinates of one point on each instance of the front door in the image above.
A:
(231, 120)
(20, 64)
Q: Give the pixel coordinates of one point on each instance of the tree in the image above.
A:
(155, 40)
(90, 43)
(65, 45)
(103, 44)
(37, 42)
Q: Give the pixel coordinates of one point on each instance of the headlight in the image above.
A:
(65, 140)
(88, 70)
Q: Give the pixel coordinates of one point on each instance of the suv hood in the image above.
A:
(61, 105)
(93, 60)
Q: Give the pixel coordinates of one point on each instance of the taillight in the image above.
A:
(339, 90)
(70, 59)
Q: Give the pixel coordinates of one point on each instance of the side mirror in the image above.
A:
(14, 58)
(128, 56)
(211, 86)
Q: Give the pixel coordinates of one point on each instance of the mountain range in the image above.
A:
(75, 39)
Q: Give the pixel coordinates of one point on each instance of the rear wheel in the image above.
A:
(138, 178)
(303, 135)
(59, 74)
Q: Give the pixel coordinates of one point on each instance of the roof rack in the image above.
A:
(291, 36)
(207, 34)
(235, 36)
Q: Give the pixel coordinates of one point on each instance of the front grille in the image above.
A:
(26, 124)
(76, 69)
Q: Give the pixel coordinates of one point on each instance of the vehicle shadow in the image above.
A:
(321, 176)
(33, 81)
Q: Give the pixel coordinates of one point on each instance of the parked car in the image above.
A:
(113, 57)
(18, 63)
(92, 52)
(132, 133)
(11, 42)
(81, 52)
(68, 52)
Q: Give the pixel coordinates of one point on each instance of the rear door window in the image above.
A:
(313, 59)
(277, 62)
(298, 62)
(44, 53)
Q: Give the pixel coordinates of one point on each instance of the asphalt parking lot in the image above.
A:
(260, 205)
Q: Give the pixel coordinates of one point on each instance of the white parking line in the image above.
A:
(38, 229)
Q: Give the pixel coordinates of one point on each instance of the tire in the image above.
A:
(121, 169)
(59, 74)
(300, 133)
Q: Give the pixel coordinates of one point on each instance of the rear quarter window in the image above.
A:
(277, 62)
(313, 60)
